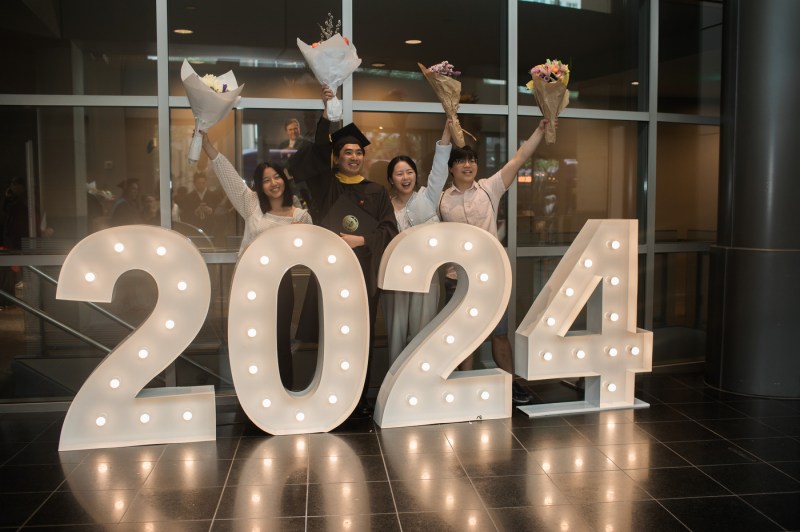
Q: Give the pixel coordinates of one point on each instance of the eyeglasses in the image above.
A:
(470, 160)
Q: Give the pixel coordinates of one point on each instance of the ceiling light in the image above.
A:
(379, 65)
(183, 31)
(413, 41)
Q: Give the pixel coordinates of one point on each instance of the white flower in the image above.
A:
(213, 83)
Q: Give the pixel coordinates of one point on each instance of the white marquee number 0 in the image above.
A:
(112, 409)
(341, 367)
(417, 389)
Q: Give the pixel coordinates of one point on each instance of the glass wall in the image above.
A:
(95, 144)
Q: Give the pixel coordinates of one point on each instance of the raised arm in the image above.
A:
(438, 175)
(243, 199)
(509, 171)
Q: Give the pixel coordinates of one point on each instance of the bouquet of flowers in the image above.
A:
(549, 86)
(211, 97)
(441, 77)
(332, 59)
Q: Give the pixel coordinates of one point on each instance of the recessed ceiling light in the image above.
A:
(413, 41)
(634, 82)
(183, 31)
(379, 65)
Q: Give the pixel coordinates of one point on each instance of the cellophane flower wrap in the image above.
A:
(549, 85)
(448, 89)
(332, 59)
(211, 98)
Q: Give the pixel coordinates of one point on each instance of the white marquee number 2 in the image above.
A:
(342, 362)
(611, 350)
(422, 386)
(112, 409)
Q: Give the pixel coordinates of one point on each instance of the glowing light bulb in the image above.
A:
(187, 415)
(587, 263)
(298, 242)
(484, 395)
(331, 259)
(169, 324)
(614, 281)
(450, 339)
(143, 353)
(161, 251)
(266, 403)
(425, 366)
(467, 246)
(144, 418)
(580, 353)
(473, 312)
(407, 269)
(612, 351)
(345, 293)
(119, 247)
(483, 277)
(550, 321)
(412, 400)
(612, 387)
(90, 277)
(299, 416)
(251, 333)
(345, 365)
(182, 285)
(635, 350)
(613, 316)
(548, 356)
(264, 260)
(251, 295)
(569, 292)
(332, 399)
(100, 421)
(614, 244)
(449, 397)
(344, 329)
(114, 383)
(433, 242)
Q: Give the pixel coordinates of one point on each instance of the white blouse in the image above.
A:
(422, 205)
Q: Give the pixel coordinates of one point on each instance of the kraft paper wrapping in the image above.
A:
(448, 90)
(552, 99)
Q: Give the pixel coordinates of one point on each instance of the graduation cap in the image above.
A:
(349, 134)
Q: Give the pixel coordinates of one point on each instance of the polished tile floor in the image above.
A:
(697, 459)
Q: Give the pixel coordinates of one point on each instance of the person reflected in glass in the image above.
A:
(266, 205)
(406, 313)
(475, 202)
(127, 209)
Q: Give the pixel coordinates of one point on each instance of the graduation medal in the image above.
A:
(350, 223)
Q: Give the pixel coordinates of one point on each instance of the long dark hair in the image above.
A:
(258, 179)
(401, 158)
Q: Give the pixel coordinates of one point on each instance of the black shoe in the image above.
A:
(519, 395)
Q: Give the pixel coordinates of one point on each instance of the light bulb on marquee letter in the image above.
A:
(123, 401)
(423, 373)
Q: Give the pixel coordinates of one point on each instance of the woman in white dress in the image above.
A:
(406, 313)
(266, 205)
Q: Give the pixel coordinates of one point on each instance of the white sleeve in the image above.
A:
(438, 175)
(243, 199)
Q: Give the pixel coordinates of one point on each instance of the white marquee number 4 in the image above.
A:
(343, 349)
(422, 386)
(112, 409)
(612, 350)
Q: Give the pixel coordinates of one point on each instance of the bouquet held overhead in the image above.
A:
(211, 98)
(442, 78)
(332, 59)
(549, 86)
